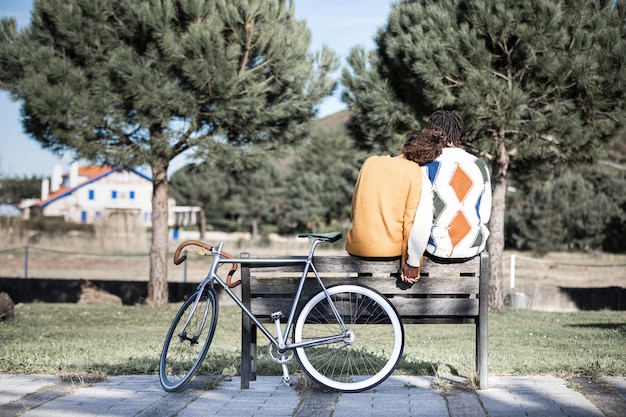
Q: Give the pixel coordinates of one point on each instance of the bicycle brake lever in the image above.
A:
(200, 251)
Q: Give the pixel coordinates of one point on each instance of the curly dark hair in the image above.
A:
(424, 146)
(450, 123)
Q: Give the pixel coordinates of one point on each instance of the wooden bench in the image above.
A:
(445, 294)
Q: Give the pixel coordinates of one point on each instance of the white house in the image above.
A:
(91, 193)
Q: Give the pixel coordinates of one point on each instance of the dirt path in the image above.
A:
(578, 270)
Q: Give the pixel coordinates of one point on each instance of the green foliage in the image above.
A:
(541, 78)
(139, 82)
(256, 195)
(203, 184)
(617, 151)
(55, 226)
(322, 178)
(584, 210)
(232, 199)
(13, 190)
(380, 121)
(305, 190)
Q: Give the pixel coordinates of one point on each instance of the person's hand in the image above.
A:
(409, 274)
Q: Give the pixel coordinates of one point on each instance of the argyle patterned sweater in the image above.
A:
(462, 204)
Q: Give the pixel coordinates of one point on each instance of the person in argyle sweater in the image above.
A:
(461, 188)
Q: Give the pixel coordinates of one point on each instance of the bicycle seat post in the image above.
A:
(316, 241)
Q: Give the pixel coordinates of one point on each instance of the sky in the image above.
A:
(338, 24)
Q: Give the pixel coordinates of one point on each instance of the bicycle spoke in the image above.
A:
(188, 341)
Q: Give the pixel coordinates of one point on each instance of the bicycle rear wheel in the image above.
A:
(186, 347)
(366, 355)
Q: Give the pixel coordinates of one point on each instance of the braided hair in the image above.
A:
(450, 123)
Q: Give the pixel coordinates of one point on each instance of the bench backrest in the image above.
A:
(454, 293)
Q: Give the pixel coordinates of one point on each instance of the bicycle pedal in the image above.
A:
(277, 316)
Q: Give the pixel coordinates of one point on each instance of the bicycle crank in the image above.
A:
(282, 358)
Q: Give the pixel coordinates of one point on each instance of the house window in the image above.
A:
(83, 216)
(131, 195)
(98, 214)
(114, 194)
(92, 194)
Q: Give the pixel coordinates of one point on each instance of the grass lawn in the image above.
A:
(76, 340)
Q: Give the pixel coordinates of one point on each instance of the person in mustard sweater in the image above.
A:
(385, 201)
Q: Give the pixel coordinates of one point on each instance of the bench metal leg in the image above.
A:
(481, 354)
(253, 361)
(482, 325)
(246, 341)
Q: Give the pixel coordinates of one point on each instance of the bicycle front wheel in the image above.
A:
(366, 354)
(188, 340)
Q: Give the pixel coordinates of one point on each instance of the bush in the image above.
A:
(57, 225)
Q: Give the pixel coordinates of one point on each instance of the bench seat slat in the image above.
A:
(349, 264)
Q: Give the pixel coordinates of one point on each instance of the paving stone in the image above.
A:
(399, 396)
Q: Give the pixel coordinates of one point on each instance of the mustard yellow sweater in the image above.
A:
(386, 196)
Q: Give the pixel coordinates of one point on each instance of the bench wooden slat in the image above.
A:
(385, 285)
(351, 264)
(436, 307)
(406, 307)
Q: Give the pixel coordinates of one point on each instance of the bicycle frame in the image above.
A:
(344, 359)
(280, 340)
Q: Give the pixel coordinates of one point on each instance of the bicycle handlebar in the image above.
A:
(178, 259)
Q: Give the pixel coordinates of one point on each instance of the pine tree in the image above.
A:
(15, 189)
(540, 84)
(579, 210)
(140, 82)
(256, 195)
(322, 177)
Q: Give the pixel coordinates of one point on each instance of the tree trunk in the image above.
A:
(254, 228)
(157, 284)
(202, 224)
(495, 244)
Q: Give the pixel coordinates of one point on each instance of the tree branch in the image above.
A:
(249, 29)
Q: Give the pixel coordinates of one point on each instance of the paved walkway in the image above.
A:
(120, 396)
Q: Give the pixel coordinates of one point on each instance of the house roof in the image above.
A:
(93, 174)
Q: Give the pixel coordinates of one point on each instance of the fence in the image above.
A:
(576, 266)
(29, 262)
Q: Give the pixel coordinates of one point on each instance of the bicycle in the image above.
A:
(334, 345)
